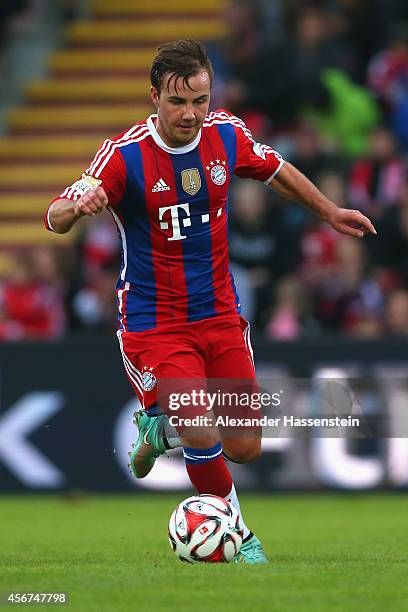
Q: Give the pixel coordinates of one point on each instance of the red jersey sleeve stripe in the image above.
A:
(106, 144)
(105, 151)
(136, 138)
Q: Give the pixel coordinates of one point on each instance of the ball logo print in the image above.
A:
(212, 530)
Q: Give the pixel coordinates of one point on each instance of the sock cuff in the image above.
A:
(232, 492)
(248, 537)
(201, 455)
(154, 410)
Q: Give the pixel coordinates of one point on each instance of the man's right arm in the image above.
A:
(64, 213)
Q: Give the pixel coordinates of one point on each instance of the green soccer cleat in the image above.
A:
(251, 552)
(150, 443)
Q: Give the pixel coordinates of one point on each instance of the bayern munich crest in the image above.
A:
(217, 171)
(149, 381)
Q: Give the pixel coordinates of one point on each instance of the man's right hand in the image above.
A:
(92, 203)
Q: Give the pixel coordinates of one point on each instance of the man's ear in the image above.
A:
(154, 97)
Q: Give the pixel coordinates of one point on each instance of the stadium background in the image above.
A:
(326, 84)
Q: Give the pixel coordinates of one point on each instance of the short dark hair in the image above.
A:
(182, 59)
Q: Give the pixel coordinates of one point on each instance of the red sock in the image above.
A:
(208, 471)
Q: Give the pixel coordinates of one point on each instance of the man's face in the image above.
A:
(181, 109)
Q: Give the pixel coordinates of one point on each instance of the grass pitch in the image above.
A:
(329, 552)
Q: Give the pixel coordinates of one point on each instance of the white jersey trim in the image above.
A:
(117, 145)
(71, 193)
(134, 374)
(123, 238)
(48, 216)
(223, 117)
(247, 339)
(160, 142)
(270, 179)
(108, 143)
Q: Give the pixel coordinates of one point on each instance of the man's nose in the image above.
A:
(188, 112)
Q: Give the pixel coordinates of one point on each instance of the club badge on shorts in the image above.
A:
(217, 171)
(191, 181)
(149, 380)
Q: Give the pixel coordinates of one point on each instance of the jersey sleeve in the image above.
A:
(107, 169)
(254, 160)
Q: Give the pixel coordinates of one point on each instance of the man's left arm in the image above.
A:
(292, 184)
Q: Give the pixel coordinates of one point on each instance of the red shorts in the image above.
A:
(216, 348)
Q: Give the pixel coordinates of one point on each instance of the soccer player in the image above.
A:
(165, 181)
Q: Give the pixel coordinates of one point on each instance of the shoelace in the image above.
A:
(258, 553)
(255, 551)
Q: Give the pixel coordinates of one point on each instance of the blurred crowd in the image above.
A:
(21, 19)
(326, 84)
(10, 10)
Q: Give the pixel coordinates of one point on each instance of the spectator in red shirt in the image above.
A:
(32, 308)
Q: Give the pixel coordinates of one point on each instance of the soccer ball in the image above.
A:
(205, 528)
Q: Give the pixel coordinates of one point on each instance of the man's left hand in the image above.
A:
(351, 222)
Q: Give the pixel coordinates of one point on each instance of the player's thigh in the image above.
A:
(230, 370)
(230, 354)
(231, 376)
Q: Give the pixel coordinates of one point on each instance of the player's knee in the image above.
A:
(243, 451)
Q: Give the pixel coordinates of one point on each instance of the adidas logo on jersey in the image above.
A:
(160, 186)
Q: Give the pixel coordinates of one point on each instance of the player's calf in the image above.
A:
(199, 437)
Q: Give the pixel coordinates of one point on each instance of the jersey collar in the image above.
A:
(160, 142)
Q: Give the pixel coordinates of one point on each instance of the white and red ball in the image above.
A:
(205, 528)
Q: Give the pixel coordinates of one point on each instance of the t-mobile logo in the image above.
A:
(184, 220)
(175, 220)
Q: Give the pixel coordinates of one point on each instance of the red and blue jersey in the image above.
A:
(171, 209)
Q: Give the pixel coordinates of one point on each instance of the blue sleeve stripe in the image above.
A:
(229, 139)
